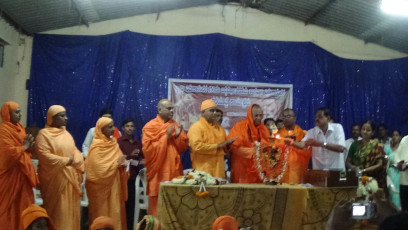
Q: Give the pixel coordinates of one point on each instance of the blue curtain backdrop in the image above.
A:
(129, 73)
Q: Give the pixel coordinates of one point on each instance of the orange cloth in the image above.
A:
(33, 212)
(205, 156)
(116, 133)
(17, 173)
(52, 111)
(106, 180)
(60, 184)
(298, 159)
(152, 209)
(162, 155)
(207, 104)
(225, 223)
(243, 166)
(102, 222)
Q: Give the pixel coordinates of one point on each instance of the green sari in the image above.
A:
(367, 155)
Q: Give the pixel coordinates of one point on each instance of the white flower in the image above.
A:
(178, 180)
(194, 177)
(365, 190)
(191, 181)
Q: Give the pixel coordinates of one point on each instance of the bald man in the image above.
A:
(163, 141)
(298, 158)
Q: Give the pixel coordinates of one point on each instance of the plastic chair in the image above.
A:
(37, 197)
(35, 163)
(37, 193)
(141, 198)
(228, 176)
(84, 198)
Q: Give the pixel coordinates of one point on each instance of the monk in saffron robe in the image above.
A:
(163, 140)
(248, 131)
(17, 173)
(106, 176)
(208, 141)
(60, 170)
(298, 159)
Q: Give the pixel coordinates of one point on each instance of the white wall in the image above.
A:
(16, 67)
(239, 22)
(231, 20)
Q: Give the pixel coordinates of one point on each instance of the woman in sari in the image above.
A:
(60, 170)
(106, 179)
(367, 155)
(392, 172)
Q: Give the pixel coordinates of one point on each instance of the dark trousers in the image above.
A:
(404, 197)
(130, 204)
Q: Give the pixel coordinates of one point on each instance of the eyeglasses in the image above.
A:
(287, 116)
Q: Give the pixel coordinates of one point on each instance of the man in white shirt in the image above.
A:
(355, 136)
(327, 140)
(401, 156)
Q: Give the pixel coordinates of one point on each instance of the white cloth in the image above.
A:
(348, 144)
(401, 154)
(323, 158)
(88, 141)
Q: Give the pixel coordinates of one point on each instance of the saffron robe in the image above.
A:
(298, 159)
(205, 156)
(60, 185)
(106, 180)
(17, 173)
(243, 162)
(162, 156)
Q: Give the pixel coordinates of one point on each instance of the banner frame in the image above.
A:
(233, 83)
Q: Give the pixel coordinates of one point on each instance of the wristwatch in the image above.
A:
(324, 144)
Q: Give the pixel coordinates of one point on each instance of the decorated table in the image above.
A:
(254, 205)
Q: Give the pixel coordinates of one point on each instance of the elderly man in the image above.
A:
(208, 141)
(327, 142)
(247, 131)
(298, 159)
(163, 140)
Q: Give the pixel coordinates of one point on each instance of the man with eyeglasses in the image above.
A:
(298, 159)
(208, 142)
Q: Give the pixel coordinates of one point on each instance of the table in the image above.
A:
(259, 206)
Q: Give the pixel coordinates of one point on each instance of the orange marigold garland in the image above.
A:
(269, 163)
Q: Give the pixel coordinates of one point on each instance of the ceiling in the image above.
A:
(362, 19)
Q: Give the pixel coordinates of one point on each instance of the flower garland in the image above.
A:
(273, 161)
(367, 186)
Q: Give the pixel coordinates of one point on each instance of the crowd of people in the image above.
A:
(111, 160)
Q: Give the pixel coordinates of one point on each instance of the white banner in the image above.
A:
(232, 97)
